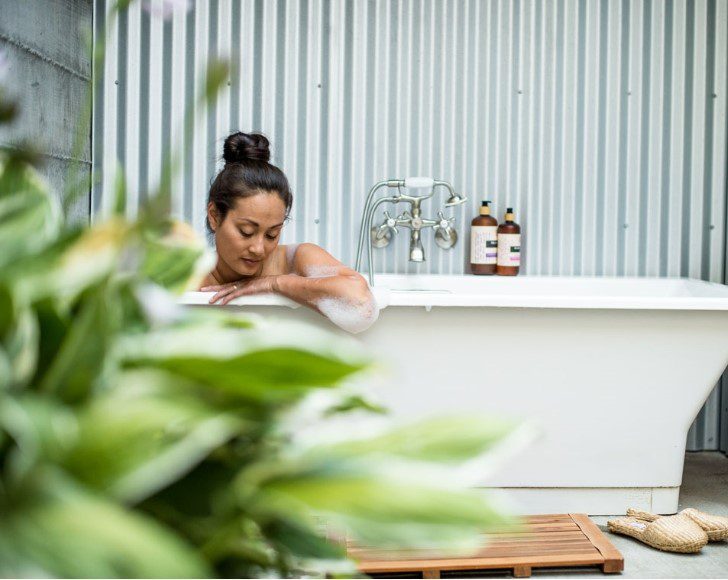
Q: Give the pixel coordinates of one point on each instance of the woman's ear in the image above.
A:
(212, 216)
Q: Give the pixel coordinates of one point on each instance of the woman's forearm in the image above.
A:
(310, 291)
(345, 300)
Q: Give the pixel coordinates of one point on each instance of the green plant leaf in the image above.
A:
(218, 71)
(80, 258)
(302, 541)
(176, 260)
(355, 403)
(81, 354)
(7, 310)
(120, 191)
(142, 436)
(442, 439)
(30, 219)
(380, 509)
(43, 431)
(64, 531)
(20, 344)
(274, 361)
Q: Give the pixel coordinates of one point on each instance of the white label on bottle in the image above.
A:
(484, 244)
(509, 249)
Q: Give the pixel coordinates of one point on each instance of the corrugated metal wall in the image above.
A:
(602, 122)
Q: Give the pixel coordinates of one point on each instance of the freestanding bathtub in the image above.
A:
(611, 370)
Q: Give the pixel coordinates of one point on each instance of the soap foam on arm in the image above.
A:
(349, 315)
(341, 300)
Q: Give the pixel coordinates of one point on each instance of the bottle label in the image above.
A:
(509, 249)
(484, 245)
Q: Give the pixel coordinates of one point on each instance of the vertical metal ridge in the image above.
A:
(666, 125)
(325, 56)
(708, 227)
(601, 169)
(643, 182)
(687, 134)
(719, 92)
(187, 204)
(613, 103)
(213, 141)
(347, 162)
(677, 248)
(99, 109)
(140, 94)
(698, 136)
(302, 82)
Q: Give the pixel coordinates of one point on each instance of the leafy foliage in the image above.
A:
(140, 439)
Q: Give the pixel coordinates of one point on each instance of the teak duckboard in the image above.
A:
(547, 541)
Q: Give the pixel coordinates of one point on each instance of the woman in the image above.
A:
(249, 203)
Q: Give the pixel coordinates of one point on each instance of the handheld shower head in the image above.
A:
(455, 199)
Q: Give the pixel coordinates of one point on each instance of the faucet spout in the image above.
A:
(417, 251)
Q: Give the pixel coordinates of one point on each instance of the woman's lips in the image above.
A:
(250, 262)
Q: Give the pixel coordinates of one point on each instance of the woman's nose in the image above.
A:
(257, 248)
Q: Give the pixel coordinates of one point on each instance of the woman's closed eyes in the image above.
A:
(251, 234)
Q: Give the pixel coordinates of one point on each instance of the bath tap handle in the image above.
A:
(444, 222)
(419, 182)
(390, 222)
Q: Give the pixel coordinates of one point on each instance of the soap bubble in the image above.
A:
(349, 315)
(322, 271)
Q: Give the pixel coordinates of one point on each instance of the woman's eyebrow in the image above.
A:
(257, 224)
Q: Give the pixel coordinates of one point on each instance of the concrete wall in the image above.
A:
(47, 43)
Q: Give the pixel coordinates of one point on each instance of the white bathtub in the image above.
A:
(612, 370)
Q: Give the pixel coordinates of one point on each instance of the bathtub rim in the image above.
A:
(428, 298)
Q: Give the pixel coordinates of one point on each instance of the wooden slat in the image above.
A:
(613, 560)
(551, 540)
(499, 553)
(482, 563)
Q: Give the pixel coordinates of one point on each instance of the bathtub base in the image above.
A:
(594, 501)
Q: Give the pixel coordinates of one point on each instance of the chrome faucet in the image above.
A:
(380, 235)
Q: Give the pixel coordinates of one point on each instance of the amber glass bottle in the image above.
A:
(509, 246)
(483, 242)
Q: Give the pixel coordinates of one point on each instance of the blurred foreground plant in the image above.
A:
(139, 439)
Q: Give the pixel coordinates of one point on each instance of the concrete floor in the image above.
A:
(705, 487)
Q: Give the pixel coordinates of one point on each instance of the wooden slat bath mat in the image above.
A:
(547, 541)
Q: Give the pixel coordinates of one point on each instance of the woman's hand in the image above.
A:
(245, 287)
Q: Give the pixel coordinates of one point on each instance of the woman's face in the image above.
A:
(249, 233)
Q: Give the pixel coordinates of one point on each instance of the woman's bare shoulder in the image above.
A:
(313, 261)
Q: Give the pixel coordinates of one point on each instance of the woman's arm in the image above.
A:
(319, 281)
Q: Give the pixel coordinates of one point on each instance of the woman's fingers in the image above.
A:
(224, 291)
(231, 296)
(227, 292)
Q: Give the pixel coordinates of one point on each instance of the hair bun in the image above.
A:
(241, 147)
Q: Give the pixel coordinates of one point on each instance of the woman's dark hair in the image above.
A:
(246, 173)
